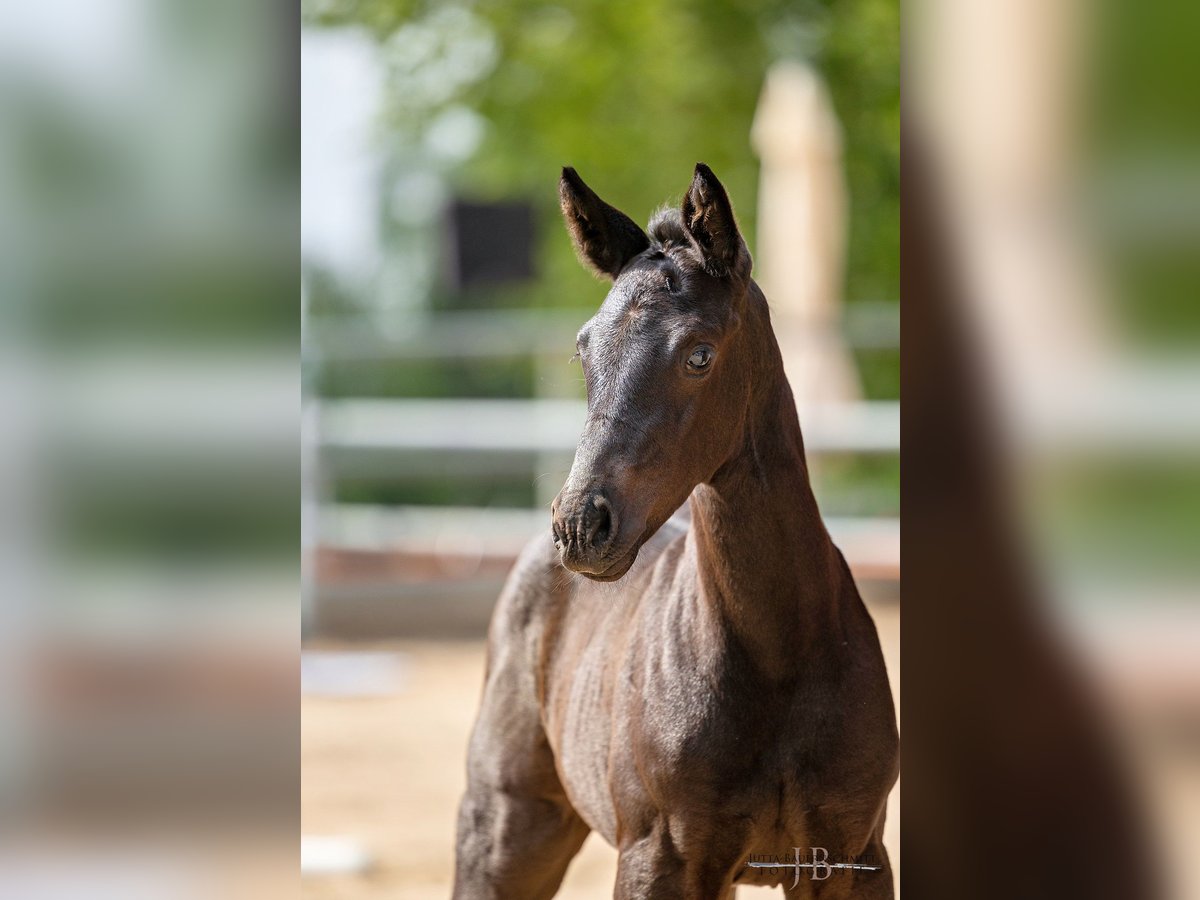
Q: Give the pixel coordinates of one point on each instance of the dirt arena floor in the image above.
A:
(388, 771)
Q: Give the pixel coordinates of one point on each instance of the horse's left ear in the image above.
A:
(708, 218)
(604, 237)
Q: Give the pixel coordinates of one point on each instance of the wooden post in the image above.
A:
(800, 256)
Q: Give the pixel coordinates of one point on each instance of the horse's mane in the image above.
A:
(666, 227)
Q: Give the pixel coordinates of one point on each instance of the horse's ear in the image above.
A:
(605, 238)
(708, 218)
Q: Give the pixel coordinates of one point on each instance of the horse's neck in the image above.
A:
(768, 570)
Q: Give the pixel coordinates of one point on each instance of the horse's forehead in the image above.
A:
(644, 299)
(636, 311)
(634, 287)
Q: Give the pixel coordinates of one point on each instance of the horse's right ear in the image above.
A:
(605, 238)
(708, 217)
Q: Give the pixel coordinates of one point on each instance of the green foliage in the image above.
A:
(441, 379)
(492, 489)
(633, 95)
(1143, 139)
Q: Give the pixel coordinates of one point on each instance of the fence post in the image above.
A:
(801, 238)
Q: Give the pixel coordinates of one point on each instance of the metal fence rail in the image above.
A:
(553, 426)
(499, 334)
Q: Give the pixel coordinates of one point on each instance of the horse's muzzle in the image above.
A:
(586, 527)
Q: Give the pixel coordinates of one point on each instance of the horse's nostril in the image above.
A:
(599, 522)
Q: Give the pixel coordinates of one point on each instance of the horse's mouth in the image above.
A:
(619, 567)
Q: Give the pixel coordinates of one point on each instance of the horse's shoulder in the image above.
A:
(535, 584)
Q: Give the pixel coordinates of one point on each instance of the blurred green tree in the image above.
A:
(501, 93)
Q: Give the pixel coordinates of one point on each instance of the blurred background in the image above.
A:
(1052, 536)
(148, 468)
(441, 301)
(152, 412)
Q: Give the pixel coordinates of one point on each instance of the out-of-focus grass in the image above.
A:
(1135, 520)
(857, 485)
(426, 378)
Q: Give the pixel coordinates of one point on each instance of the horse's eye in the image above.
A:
(700, 358)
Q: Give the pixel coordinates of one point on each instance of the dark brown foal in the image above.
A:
(700, 695)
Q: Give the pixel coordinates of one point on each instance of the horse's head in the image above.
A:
(667, 383)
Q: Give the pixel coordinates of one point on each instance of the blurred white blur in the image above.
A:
(149, 397)
(1065, 146)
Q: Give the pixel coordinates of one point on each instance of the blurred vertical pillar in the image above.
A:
(802, 232)
(1000, 88)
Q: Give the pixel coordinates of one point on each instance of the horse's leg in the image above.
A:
(517, 831)
(512, 846)
(652, 869)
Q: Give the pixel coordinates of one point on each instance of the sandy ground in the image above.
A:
(389, 772)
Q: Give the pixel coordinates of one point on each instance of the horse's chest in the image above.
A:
(669, 740)
(692, 732)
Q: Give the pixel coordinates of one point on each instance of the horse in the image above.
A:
(703, 694)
